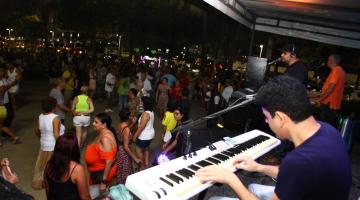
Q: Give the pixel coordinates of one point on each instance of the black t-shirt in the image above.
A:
(298, 70)
(184, 104)
(317, 169)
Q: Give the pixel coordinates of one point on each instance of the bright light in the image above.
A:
(261, 49)
(162, 158)
(196, 70)
(220, 125)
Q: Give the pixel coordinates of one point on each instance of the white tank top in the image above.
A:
(47, 139)
(149, 132)
(11, 77)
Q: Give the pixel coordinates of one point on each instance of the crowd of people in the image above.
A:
(139, 94)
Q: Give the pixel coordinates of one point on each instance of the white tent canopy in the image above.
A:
(334, 22)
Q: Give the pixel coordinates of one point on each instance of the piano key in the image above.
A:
(190, 172)
(194, 167)
(166, 181)
(228, 153)
(183, 173)
(220, 157)
(213, 160)
(203, 163)
(174, 178)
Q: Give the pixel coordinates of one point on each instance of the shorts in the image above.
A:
(3, 112)
(143, 144)
(81, 120)
(14, 89)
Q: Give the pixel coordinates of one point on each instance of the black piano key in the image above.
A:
(225, 156)
(184, 174)
(213, 160)
(203, 163)
(174, 178)
(194, 167)
(190, 172)
(220, 157)
(180, 179)
(166, 181)
(235, 150)
(228, 153)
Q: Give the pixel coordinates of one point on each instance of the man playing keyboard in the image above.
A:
(317, 168)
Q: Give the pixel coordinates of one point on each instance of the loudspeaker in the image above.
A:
(255, 72)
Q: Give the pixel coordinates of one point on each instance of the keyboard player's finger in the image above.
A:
(246, 163)
(214, 173)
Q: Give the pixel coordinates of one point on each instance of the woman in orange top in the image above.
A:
(100, 155)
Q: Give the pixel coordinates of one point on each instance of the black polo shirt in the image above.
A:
(298, 70)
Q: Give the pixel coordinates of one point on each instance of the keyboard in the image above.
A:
(176, 180)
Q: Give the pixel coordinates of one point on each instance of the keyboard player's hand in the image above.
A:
(215, 173)
(246, 163)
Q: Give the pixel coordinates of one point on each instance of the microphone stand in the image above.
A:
(187, 145)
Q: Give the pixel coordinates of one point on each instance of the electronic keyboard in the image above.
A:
(176, 180)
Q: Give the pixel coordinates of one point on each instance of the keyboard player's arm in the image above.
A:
(219, 174)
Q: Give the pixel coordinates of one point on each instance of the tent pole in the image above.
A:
(251, 39)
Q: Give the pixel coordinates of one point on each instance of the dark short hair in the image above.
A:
(124, 114)
(285, 94)
(291, 48)
(147, 102)
(337, 58)
(172, 105)
(48, 104)
(181, 110)
(133, 91)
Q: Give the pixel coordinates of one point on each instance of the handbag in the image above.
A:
(120, 192)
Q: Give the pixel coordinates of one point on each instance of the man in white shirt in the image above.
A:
(146, 83)
(56, 93)
(109, 87)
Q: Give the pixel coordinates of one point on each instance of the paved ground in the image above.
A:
(23, 156)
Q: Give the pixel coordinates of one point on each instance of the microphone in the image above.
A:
(274, 61)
